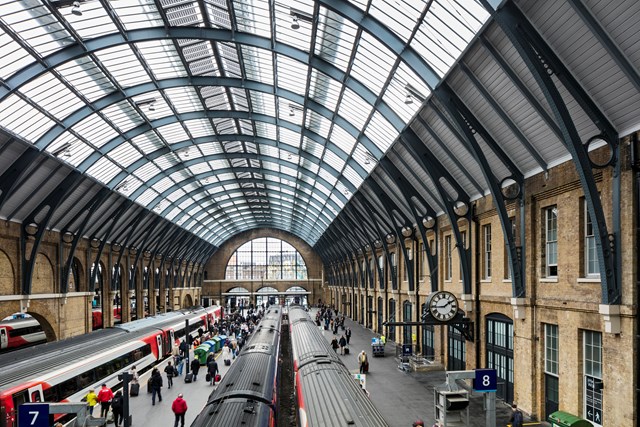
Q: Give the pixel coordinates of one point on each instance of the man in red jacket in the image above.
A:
(179, 407)
(104, 397)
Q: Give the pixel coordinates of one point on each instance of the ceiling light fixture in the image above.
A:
(76, 9)
(292, 112)
(409, 99)
(412, 92)
(294, 23)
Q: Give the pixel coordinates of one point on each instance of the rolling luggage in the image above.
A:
(134, 390)
(208, 377)
(188, 377)
(149, 385)
(227, 362)
(218, 377)
(346, 350)
(366, 367)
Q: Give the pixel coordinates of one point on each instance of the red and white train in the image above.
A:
(20, 332)
(65, 371)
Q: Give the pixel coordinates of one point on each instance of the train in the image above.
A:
(20, 331)
(248, 393)
(65, 370)
(326, 392)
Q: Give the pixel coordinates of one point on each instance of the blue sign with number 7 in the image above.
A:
(485, 380)
(33, 415)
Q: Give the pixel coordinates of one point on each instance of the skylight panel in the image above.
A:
(299, 37)
(253, 17)
(103, 170)
(147, 171)
(124, 154)
(292, 74)
(95, 130)
(266, 130)
(173, 133)
(14, 57)
(210, 148)
(324, 90)
(123, 116)
(230, 60)
(373, 63)
(328, 176)
(289, 137)
(199, 127)
(335, 39)
(173, 213)
(312, 167)
(217, 165)
(176, 194)
(225, 126)
(183, 13)
(36, 26)
(215, 98)
(263, 103)
(167, 161)
(162, 185)
(354, 109)
(123, 65)
(148, 142)
(342, 139)
(258, 64)
(354, 178)
(94, 21)
(218, 16)
(21, 118)
(318, 124)
(398, 15)
(333, 160)
(381, 132)
(162, 58)
(86, 78)
(184, 99)
(140, 14)
(312, 147)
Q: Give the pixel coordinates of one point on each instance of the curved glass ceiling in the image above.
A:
(226, 115)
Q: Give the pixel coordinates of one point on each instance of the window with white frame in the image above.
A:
(591, 266)
(448, 262)
(486, 251)
(551, 350)
(551, 241)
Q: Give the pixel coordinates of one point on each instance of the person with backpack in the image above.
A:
(179, 408)
(104, 397)
(117, 406)
(170, 370)
(517, 418)
(156, 386)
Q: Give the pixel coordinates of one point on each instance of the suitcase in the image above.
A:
(188, 377)
(218, 377)
(346, 350)
(227, 362)
(366, 367)
(208, 377)
(134, 390)
(149, 385)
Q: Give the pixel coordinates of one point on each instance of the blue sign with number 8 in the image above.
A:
(485, 380)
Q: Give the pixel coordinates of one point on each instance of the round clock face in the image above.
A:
(443, 306)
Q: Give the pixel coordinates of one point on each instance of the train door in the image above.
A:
(35, 394)
(172, 339)
(159, 341)
(4, 338)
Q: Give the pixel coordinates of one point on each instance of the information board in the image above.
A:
(593, 399)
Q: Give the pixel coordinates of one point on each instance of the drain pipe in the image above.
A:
(476, 300)
(635, 165)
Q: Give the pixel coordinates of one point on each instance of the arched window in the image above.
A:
(266, 258)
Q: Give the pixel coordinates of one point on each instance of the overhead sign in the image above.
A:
(33, 415)
(485, 380)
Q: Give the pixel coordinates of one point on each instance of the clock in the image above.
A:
(443, 306)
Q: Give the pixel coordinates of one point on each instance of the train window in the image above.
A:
(67, 388)
(20, 398)
(86, 378)
(51, 395)
(35, 396)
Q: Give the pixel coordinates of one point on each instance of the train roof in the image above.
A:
(307, 342)
(329, 385)
(234, 412)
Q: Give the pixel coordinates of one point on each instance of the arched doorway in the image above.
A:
(24, 330)
(237, 297)
(296, 295)
(187, 301)
(499, 344)
(267, 296)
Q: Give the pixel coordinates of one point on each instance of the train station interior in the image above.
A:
(461, 177)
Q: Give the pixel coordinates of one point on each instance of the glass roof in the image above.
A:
(225, 115)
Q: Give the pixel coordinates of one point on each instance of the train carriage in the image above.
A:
(20, 332)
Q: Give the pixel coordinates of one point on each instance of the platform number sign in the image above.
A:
(485, 380)
(33, 415)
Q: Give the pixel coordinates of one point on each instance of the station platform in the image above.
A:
(402, 396)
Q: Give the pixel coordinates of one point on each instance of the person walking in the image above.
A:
(92, 400)
(334, 344)
(343, 343)
(195, 368)
(363, 361)
(104, 397)
(170, 370)
(134, 384)
(117, 406)
(517, 419)
(156, 386)
(347, 335)
(212, 369)
(179, 408)
(179, 363)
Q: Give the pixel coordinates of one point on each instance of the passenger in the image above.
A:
(179, 408)
(179, 364)
(195, 368)
(134, 381)
(92, 400)
(347, 335)
(334, 344)
(170, 371)
(156, 386)
(517, 418)
(117, 406)
(212, 369)
(184, 348)
(383, 339)
(418, 423)
(363, 362)
(104, 397)
(343, 343)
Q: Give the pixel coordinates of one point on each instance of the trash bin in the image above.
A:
(565, 419)
(218, 347)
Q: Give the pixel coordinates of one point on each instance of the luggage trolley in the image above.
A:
(377, 347)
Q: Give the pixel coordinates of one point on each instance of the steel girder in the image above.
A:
(408, 192)
(541, 62)
(390, 208)
(39, 218)
(468, 125)
(436, 171)
(13, 174)
(358, 221)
